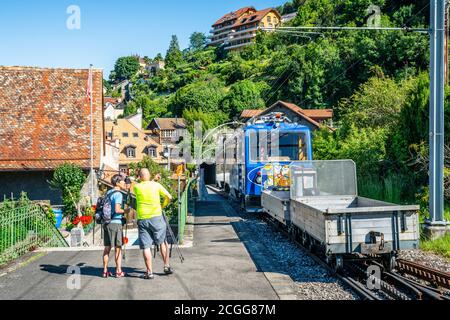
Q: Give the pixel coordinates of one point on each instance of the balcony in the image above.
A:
(221, 29)
(242, 36)
(245, 30)
(218, 41)
(236, 46)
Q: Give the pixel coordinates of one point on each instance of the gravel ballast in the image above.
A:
(312, 281)
(428, 259)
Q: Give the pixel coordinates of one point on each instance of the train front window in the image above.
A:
(273, 146)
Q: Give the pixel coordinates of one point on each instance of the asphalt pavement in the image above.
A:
(217, 266)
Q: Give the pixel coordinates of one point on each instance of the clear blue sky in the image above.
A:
(34, 33)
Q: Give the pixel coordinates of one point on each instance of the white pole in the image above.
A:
(91, 89)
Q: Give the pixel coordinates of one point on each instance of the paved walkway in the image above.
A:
(218, 266)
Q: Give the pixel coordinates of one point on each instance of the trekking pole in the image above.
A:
(177, 247)
(125, 242)
(128, 206)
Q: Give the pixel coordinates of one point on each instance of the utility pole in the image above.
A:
(437, 81)
(446, 42)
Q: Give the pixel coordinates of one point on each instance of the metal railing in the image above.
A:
(187, 202)
(24, 229)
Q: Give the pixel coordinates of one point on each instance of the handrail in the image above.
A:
(24, 229)
(185, 198)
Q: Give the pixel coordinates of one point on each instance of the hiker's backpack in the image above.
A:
(103, 212)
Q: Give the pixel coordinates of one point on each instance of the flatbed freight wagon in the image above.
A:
(324, 211)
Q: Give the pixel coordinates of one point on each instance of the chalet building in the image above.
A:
(113, 108)
(133, 142)
(237, 29)
(168, 132)
(45, 122)
(288, 17)
(312, 118)
(155, 67)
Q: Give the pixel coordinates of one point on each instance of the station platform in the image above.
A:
(217, 266)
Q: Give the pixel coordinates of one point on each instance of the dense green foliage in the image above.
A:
(69, 179)
(197, 41)
(375, 81)
(125, 68)
(174, 55)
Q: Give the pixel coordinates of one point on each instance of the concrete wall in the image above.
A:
(33, 183)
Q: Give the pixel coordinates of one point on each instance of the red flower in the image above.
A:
(85, 220)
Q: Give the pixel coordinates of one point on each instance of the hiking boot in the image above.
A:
(168, 270)
(149, 276)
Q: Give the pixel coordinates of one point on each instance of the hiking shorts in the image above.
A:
(152, 232)
(113, 235)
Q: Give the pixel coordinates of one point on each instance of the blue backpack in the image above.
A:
(103, 212)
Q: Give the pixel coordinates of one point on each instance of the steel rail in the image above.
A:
(357, 287)
(434, 276)
(348, 277)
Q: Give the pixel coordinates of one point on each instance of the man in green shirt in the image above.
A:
(151, 224)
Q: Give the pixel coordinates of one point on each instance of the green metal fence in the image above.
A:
(24, 229)
(187, 205)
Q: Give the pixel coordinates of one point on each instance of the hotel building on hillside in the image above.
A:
(237, 29)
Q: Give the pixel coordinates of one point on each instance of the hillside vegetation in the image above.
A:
(376, 82)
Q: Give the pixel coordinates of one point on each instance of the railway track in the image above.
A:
(403, 283)
(392, 285)
(434, 277)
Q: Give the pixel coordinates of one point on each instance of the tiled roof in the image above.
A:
(113, 101)
(171, 123)
(316, 114)
(45, 118)
(323, 114)
(255, 17)
(251, 113)
(313, 116)
(233, 15)
(300, 112)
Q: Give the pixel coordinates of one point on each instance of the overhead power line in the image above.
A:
(404, 29)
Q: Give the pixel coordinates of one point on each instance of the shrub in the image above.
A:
(69, 179)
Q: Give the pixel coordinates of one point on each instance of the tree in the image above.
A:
(209, 120)
(202, 95)
(125, 68)
(174, 55)
(413, 123)
(244, 95)
(197, 41)
(69, 179)
(148, 60)
(154, 108)
(377, 103)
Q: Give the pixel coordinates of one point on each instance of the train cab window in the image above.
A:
(293, 146)
(278, 146)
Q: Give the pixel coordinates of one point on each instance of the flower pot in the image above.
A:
(58, 216)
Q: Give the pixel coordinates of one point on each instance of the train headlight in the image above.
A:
(259, 178)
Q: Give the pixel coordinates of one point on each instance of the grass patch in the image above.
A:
(439, 246)
(389, 189)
